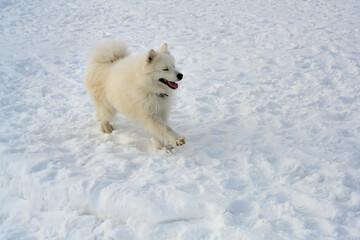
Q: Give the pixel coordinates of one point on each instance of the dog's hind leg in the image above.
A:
(104, 115)
(104, 112)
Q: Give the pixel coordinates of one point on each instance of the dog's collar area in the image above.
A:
(163, 95)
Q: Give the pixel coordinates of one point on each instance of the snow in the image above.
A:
(269, 104)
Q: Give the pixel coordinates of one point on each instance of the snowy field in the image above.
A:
(269, 104)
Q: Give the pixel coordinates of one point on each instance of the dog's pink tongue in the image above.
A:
(173, 84)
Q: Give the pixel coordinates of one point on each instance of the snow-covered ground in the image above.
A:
(270, 106)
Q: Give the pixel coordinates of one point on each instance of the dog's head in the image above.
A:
(160, 67)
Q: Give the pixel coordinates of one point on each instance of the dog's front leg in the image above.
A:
(159, 129)
(157, 143)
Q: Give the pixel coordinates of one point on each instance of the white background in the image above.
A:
(269, 104)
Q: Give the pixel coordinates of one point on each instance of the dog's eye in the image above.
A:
(165, 69)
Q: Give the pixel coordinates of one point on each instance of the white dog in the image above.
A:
(138, 86)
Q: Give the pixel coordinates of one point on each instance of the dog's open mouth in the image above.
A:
(172, 85)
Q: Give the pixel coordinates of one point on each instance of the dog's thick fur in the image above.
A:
(138, 86)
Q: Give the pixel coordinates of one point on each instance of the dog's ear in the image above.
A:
(150, 56)
(164, 49)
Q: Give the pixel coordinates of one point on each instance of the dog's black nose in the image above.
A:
(179, 76)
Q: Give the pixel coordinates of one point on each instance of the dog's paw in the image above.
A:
(180, 141)
(106, 128)
(169, 148)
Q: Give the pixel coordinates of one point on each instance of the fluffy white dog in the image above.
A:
(138, 86)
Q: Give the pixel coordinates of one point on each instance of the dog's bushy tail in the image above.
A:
(108, 51)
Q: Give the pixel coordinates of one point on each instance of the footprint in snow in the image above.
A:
(240, 207)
